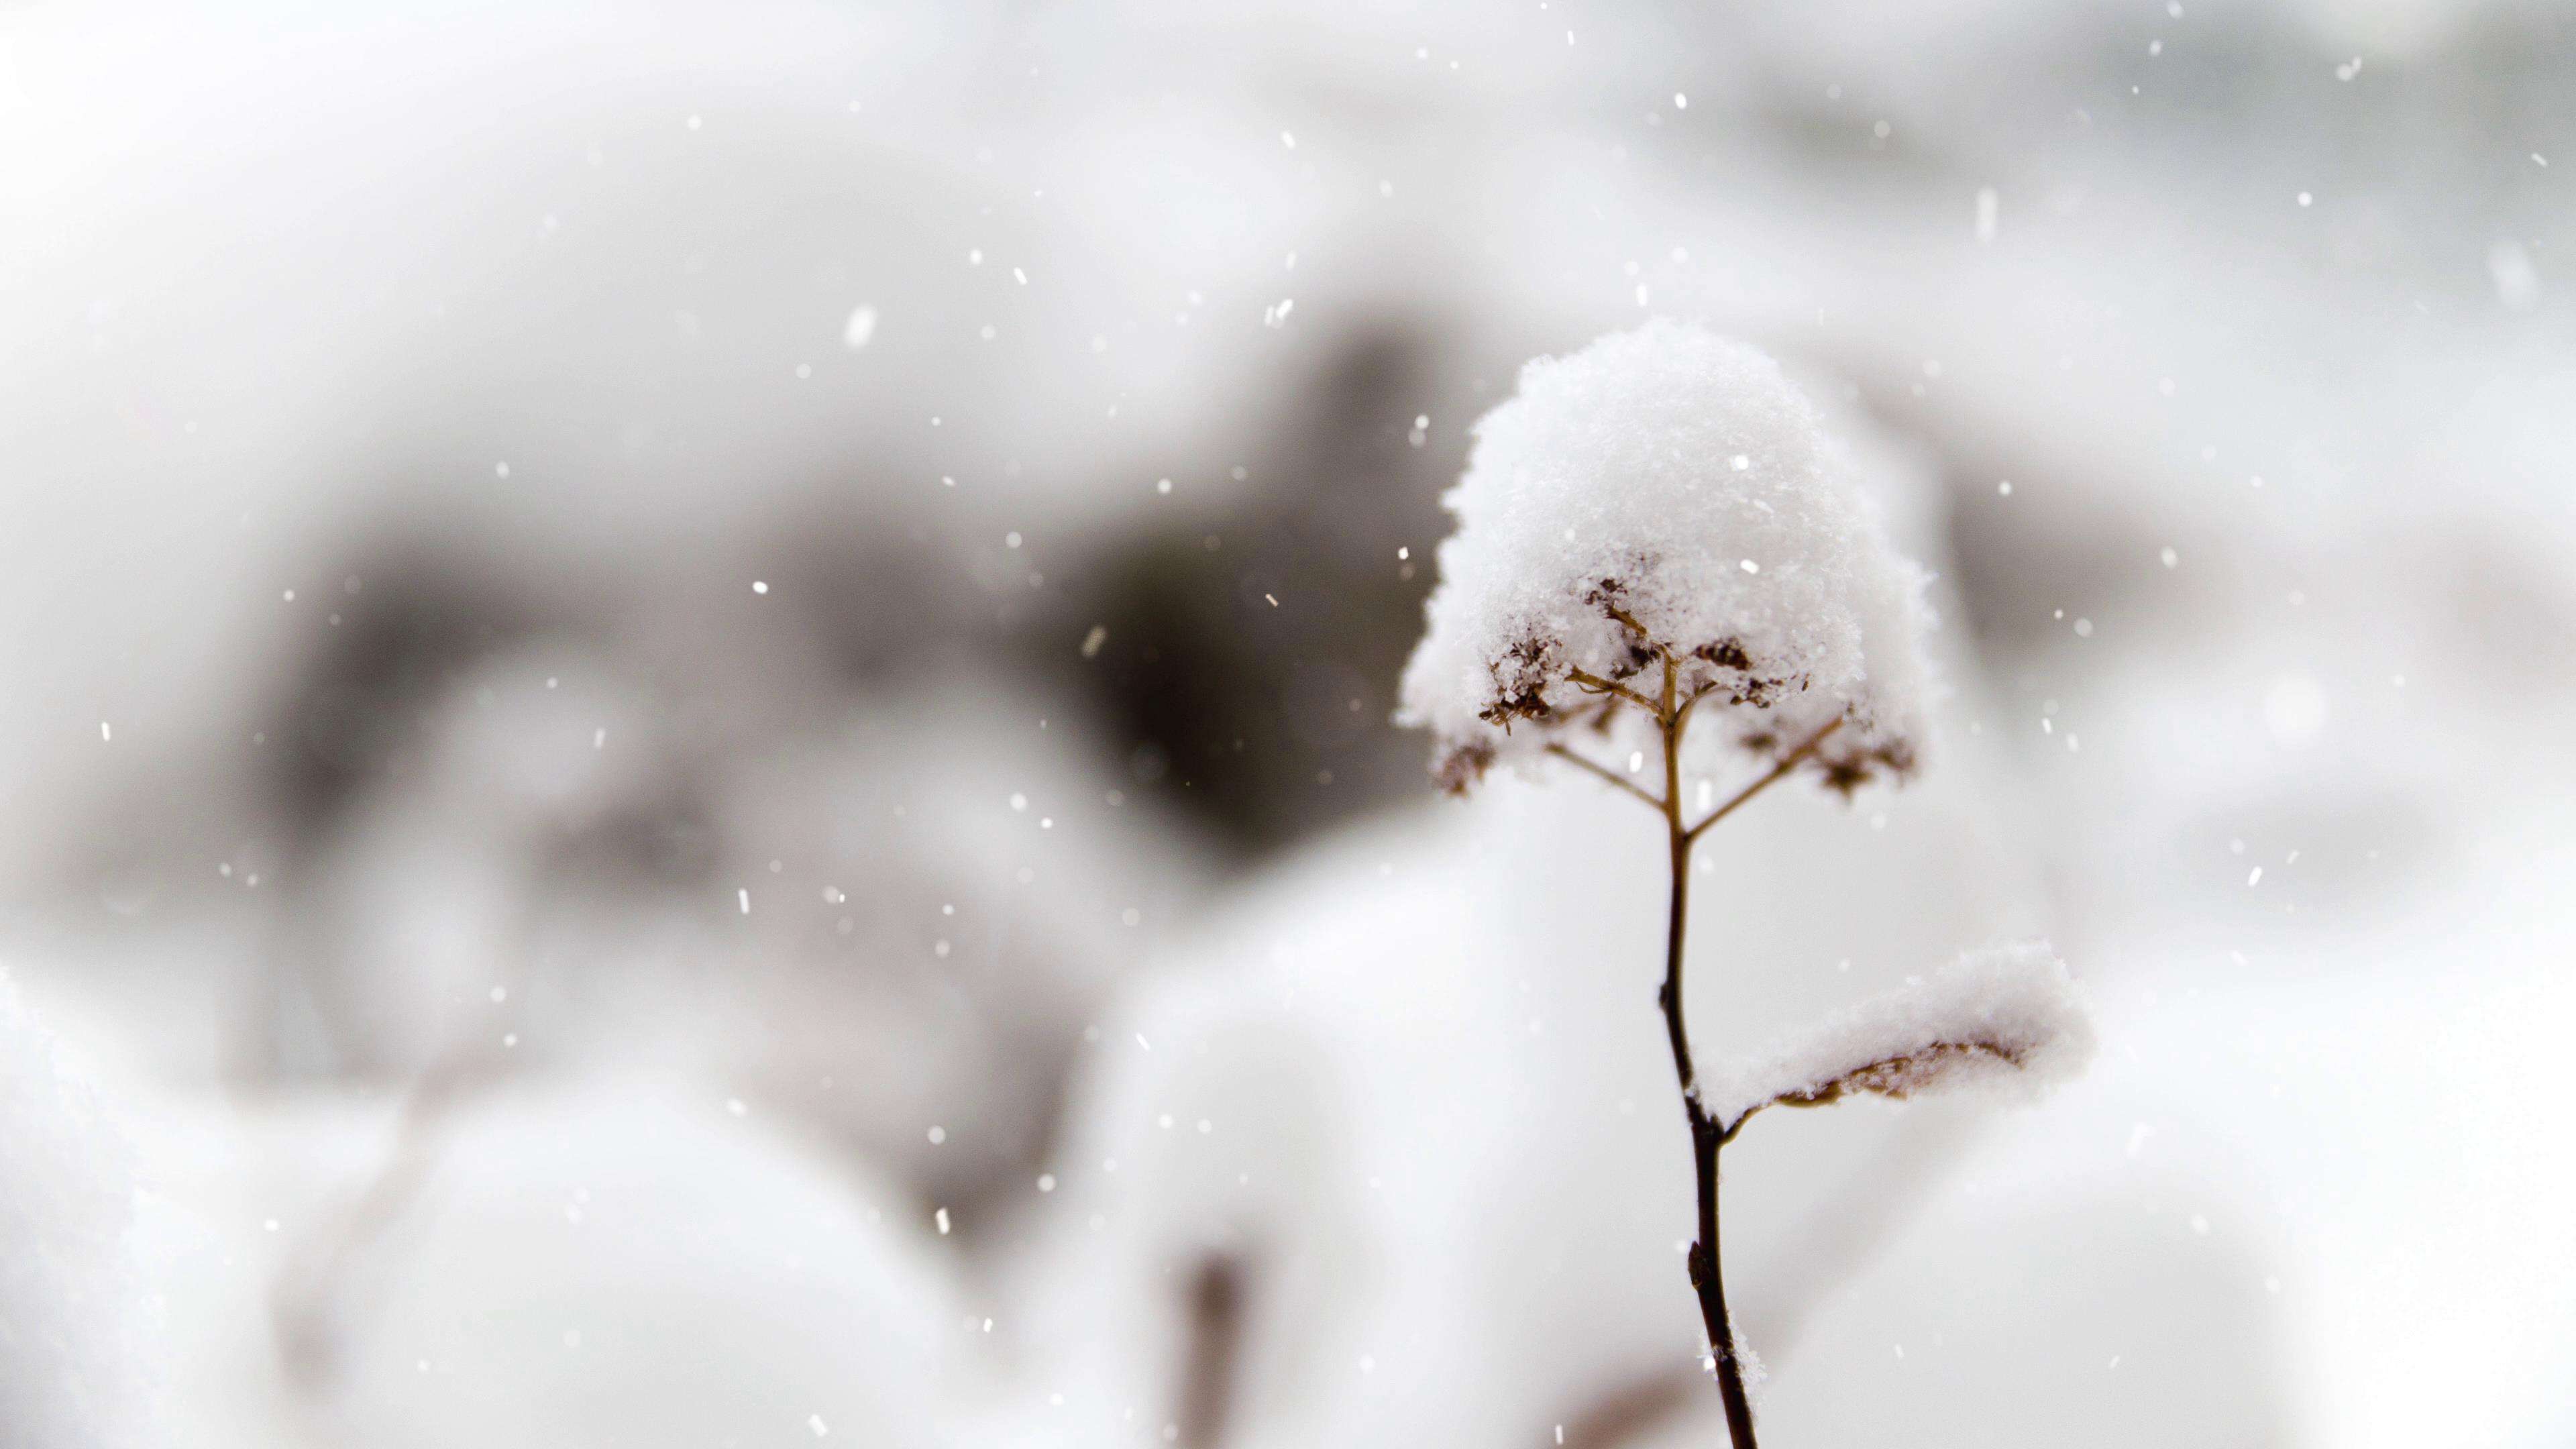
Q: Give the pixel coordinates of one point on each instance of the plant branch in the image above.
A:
(1575, 758)
(1788, 762)
(1629, 620)
(1682, 716)
(1586, 679)
(1707, 1280)
(1899, 1075)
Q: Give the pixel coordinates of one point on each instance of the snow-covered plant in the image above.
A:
(1665, 503)
(1656, 532)
(2001, 1016)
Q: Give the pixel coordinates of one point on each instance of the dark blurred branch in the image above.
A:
(1212, 1362)
(1628, 1411)
(305, 1303)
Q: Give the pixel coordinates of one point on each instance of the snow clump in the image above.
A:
(1667, 493)
(2004, 1017)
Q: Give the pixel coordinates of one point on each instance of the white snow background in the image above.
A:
(2215, 357)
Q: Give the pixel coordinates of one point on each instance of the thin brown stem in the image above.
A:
(1682, 716)
(1707, 1277)
(1671, 714)
(1577, 759)
(1586, 679)
(1788, 762)
(1630, 621)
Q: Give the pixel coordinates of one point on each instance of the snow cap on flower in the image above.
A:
(1668, 492)
(2004, 1017)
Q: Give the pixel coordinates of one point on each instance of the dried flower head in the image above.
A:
(1666, 492)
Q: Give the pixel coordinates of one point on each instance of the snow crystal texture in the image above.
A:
(1678, 478)
(2003, 1017)
(67, 1304)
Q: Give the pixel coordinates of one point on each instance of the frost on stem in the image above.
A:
(1667, 492)
(2004, 1018)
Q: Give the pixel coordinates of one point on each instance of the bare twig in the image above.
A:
(1576, 759)
(1630, 620)
(1671, 714)
(1898, 1076)
(1707, 1277)
(1586, 679)
(1682, 716)
(1788, 762)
